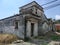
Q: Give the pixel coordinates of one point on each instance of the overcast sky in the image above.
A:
(11, 7)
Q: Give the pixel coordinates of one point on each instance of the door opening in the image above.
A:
(32, 29)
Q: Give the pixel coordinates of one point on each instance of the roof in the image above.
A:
(49, 19)
(10, 17)
(32, 3)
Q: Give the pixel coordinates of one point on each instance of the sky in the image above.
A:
(11, 7)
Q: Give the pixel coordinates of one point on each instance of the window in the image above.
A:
(36, 11)
(16, 25)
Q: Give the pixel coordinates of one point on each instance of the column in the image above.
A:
(28, 29)
(36, 29)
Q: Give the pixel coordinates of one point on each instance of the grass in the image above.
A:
(40, 37)
(55, 37)
(51, 37)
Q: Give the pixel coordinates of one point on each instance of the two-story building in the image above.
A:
(30, 22)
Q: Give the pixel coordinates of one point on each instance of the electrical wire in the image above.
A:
(51, 6)
(49, 2)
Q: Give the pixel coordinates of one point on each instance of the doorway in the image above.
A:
(32, 29)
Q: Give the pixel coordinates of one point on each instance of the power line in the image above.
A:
(51, 6)
(49, 2)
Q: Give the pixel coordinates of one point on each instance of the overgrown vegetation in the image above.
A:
(49, 36)
(40, 37)
(7, 38)
(55, 37)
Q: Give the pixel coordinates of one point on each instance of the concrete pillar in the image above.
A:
(28, 28)
(36, 29)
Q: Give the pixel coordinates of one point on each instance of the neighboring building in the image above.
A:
(31, 21)
(57, 27)
(51, 24)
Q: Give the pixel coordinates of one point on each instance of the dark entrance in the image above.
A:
(32, 29)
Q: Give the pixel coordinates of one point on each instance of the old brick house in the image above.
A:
(31, 19)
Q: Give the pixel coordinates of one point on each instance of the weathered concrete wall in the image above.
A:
(40, 28)
(45, 27)
(8, 26)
